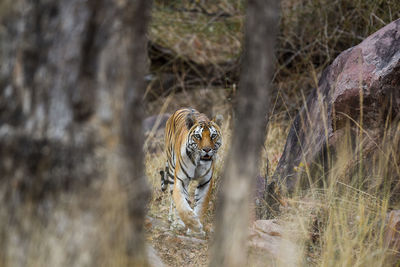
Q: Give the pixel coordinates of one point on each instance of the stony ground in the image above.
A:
(175, 248)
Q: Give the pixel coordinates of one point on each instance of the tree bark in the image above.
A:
(248, 134)
(71, 160)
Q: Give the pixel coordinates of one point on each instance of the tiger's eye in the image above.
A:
(197, 136)
(213, 136)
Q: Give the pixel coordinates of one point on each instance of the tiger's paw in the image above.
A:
(178, 225)
(208, 229)
(196, 229)
(199, 233)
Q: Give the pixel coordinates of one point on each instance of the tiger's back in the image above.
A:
(176, 131)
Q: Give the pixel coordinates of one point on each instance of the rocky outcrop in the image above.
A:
(359, 93)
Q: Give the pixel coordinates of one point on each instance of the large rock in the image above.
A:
(270, 240)
(369, 72)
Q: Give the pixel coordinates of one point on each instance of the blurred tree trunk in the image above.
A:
(71, 87)
(252, 105)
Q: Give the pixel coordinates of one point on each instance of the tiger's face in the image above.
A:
(205, 139)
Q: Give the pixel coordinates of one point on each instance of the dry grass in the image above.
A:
(205, 38)
(275, 140)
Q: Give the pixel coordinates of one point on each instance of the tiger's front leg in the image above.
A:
(185, 212)
(202, 197)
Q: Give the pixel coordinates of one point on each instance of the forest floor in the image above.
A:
(176, 248)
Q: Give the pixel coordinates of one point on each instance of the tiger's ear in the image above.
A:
(218, 119)
(189, 120)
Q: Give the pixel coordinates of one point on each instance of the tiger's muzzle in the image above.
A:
(206, 154)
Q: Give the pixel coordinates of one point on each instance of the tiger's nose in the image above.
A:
(207, 149)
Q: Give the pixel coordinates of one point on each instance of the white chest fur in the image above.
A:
(202, 168)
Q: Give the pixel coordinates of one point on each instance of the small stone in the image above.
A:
(392, 232)
(266, 236)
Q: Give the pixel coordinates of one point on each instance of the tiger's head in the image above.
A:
(204, 138)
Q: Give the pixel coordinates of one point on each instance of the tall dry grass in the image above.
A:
(341, 218)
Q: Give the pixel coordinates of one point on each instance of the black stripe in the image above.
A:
(180, 180)
(168, 181)
(189, 154)
(200, 186)
(171, 163)
(183, 163)
(206, 173)
(184, 171)
(183, 185)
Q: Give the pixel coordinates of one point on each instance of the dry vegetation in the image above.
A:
(338, 224)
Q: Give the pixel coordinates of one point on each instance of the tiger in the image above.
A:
(191, 144)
